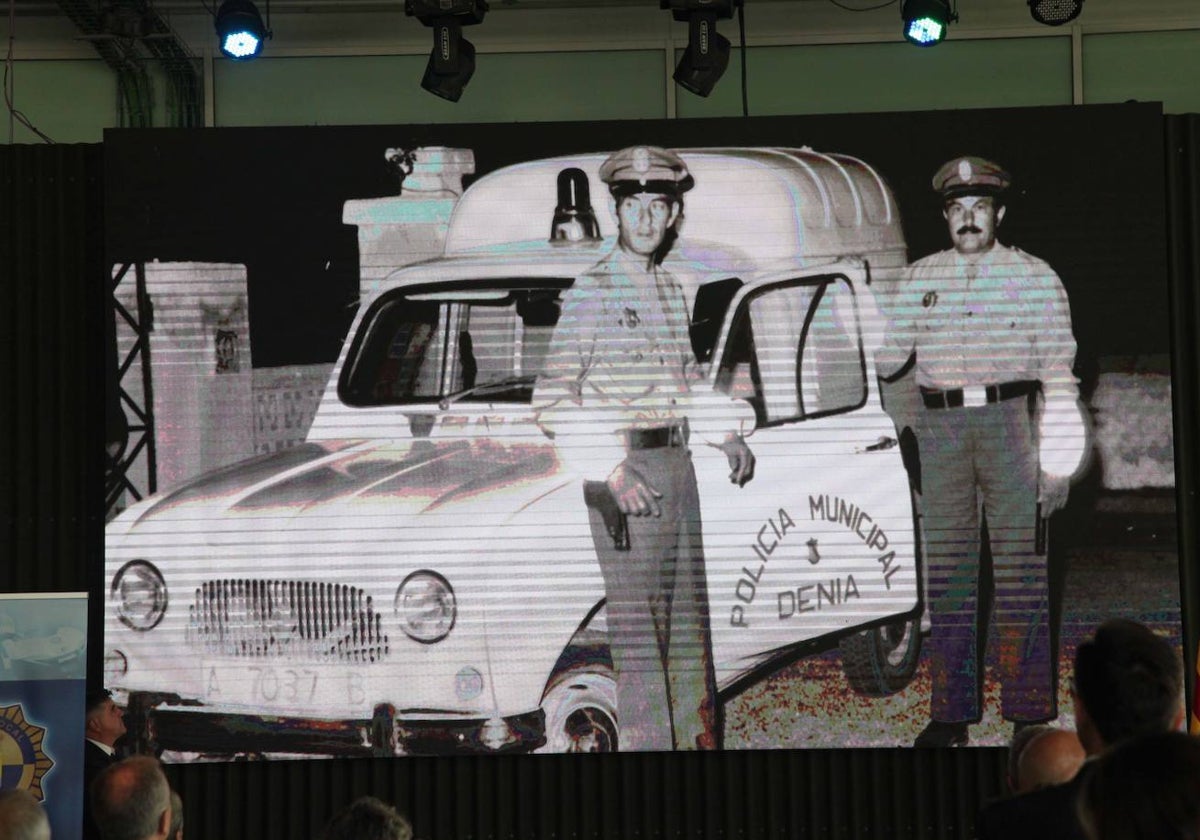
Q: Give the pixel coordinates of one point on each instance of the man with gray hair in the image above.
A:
(175, 832)
(131, 800)
(22, 816)
(1020, 741)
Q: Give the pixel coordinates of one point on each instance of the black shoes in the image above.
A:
(940, 734)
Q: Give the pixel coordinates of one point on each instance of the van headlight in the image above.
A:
(425, 606)
(140, 594)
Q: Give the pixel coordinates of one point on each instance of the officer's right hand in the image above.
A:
(635, 496)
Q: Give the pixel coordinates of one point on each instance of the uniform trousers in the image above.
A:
(658, 618)
(985, 454)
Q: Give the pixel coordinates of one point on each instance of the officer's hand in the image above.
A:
(741, 459)
(1053, 492)
(635, 496)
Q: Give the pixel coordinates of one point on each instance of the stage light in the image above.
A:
(240, 29)
(707, 53)
(1055, 12)
(926, 21)
(452, 61)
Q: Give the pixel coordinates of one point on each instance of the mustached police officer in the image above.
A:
(988, 328)
(618, 395)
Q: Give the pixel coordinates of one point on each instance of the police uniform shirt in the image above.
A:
(621, 359)
(1003, 318)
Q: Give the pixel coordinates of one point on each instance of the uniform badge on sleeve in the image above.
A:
(930, 300)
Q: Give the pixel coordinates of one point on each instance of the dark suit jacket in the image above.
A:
(94, 760)
(1047, 814)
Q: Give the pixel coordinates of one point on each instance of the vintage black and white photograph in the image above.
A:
(771, 433)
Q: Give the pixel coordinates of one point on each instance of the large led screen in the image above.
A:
(741, 434)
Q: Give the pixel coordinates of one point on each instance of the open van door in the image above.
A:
(821, 542)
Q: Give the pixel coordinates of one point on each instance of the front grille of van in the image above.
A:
(300, 621)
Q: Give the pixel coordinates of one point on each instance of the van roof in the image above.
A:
(779, 205)
(692, 262)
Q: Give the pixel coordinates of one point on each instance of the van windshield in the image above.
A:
(435, 345)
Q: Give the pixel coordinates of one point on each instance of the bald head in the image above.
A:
(1020, 741)
(22, 816)
(131, 800)
(1051, 758)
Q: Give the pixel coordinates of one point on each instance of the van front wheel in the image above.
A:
(581, 710)
(882, 660)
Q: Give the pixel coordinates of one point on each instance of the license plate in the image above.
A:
(278, 685)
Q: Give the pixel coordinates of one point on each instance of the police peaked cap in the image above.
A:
(970, 176)
(646, 169)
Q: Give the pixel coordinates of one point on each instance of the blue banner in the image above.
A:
(43, 656)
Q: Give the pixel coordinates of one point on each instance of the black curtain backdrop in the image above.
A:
(51, 510)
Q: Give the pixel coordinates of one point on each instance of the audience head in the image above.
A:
(104, 721)
(1128, 682)
(1051, 758)
(1146, 788)
(368, 818)
(131, 800)
(22, 816)
(1020, 740)
(175, 831)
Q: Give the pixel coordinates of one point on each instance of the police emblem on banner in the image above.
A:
(22, 762)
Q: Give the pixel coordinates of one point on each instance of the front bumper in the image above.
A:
(158, 722)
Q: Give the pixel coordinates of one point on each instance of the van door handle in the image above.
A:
(880, 445)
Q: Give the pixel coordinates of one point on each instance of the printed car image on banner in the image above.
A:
(579, 437)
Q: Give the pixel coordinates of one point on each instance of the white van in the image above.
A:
(419, 575)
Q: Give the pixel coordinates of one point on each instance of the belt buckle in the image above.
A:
(974, 397)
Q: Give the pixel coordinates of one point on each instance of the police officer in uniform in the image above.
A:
(617, 395)
(988, 328)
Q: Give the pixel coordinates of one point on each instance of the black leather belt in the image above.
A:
(657, 437)
(979, 395)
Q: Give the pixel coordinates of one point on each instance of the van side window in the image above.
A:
(795, 351)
